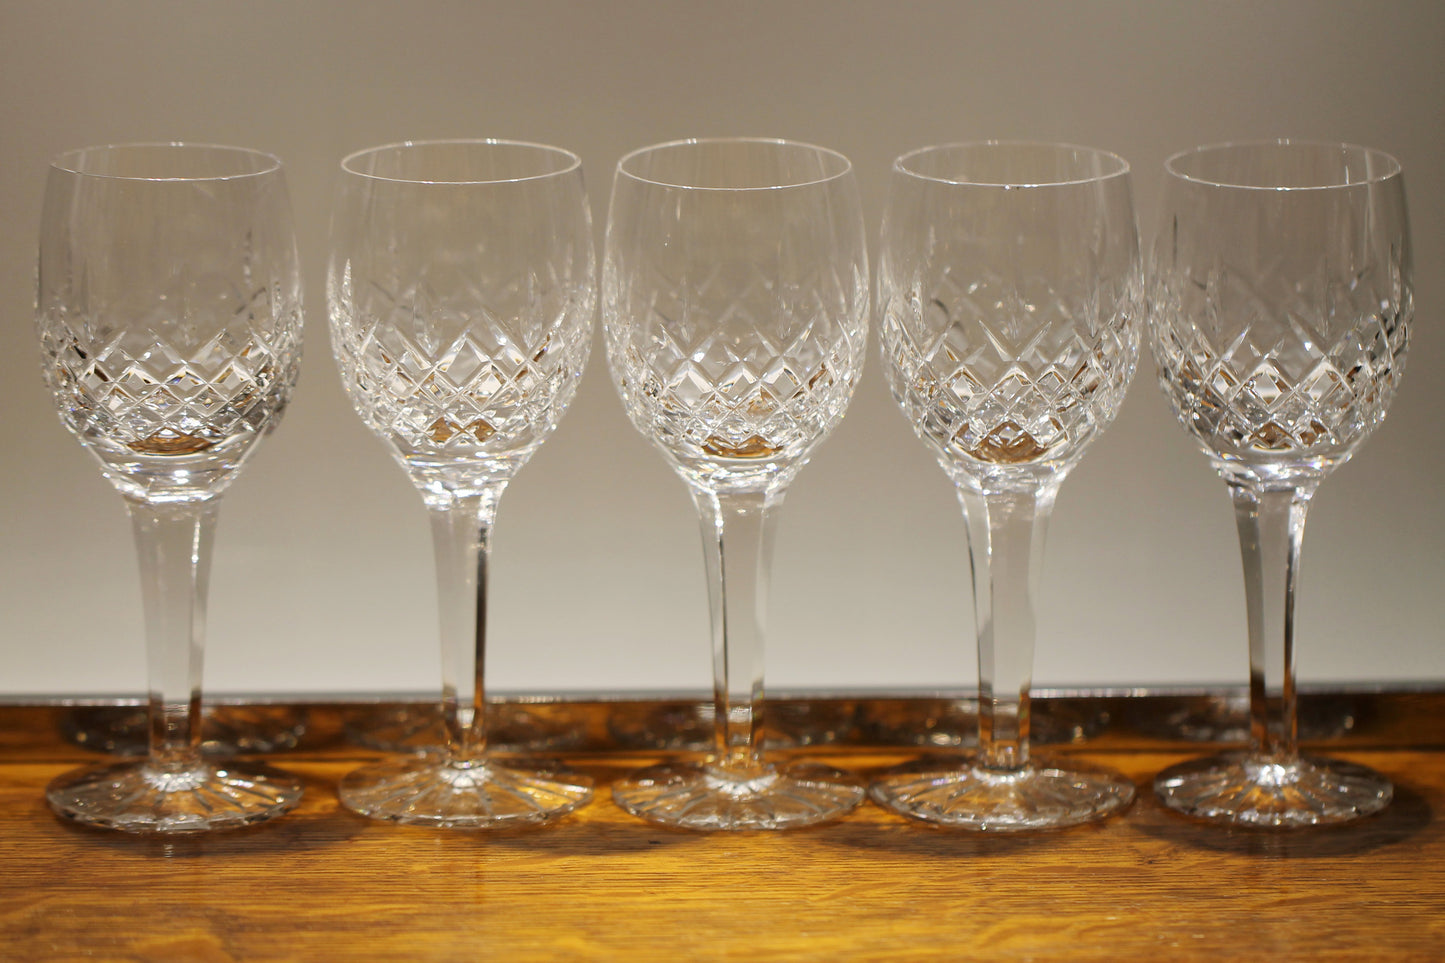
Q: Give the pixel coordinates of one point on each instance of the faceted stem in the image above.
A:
(1006, 547)
(461, 538)
(1271, 528)
(737, 538)
(173, 546)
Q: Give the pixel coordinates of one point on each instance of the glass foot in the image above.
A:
(1243, 789)
(134, 797)
(710, 798)
(1040, 796)
(426, 791)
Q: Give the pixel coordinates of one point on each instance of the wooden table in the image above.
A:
(322, 884)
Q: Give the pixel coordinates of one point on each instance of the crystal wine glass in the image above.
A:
(169, 313)
(1280, 300)
(1009, 288)
(461, 292)
(735, 305)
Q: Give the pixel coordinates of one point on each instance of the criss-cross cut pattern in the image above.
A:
(457, 375)
(1010, 373)
(734, 364)
(175, 382)
(1257, 367)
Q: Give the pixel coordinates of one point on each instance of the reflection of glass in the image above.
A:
(1224, 717)
(692, 726)
(461, 294)
(1009, 291)
(226, 729)
(421, 727)
(1281, 301)
(735, 302)
(951, 723)
(169, 314)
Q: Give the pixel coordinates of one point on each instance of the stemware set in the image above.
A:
(461, 290)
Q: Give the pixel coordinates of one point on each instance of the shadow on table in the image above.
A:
(1406, 816)
(897, 836)
(575, 837)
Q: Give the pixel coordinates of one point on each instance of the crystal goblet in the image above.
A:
(1009, 288)
(735, 298)
(1280, 308)
(461, 294)
(169, 314)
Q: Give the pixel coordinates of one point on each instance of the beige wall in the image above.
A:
(323, 579)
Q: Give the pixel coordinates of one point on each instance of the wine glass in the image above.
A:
(169, 314)
(1280, 302)
(1009, 288)
(461, 292)
(735, 299)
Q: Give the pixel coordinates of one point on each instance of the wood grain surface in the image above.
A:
(322, 884)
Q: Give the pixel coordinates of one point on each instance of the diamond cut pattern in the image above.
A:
(146, 385)
(459, 374)
(1257, 367)
(736, 364)
(1010, 372)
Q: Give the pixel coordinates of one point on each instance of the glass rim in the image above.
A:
(574, 161)
(844, 171)
(59, 161)
(1393, 163)
(900, 165)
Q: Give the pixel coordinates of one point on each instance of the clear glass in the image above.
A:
(461, 292)
(1009, 289)
(1280, 302)
(735, 301)
(169, 314)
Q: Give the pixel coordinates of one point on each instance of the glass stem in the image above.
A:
(1271, 528)
(1005, 548)
(173, 546)
(737, 540)
(461, 539)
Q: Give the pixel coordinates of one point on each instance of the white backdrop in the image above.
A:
(323, 578)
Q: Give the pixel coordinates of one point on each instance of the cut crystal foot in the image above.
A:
(1040, 796)
(1243, 789)
(710, 798)
(426, 791)
(135, 797)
